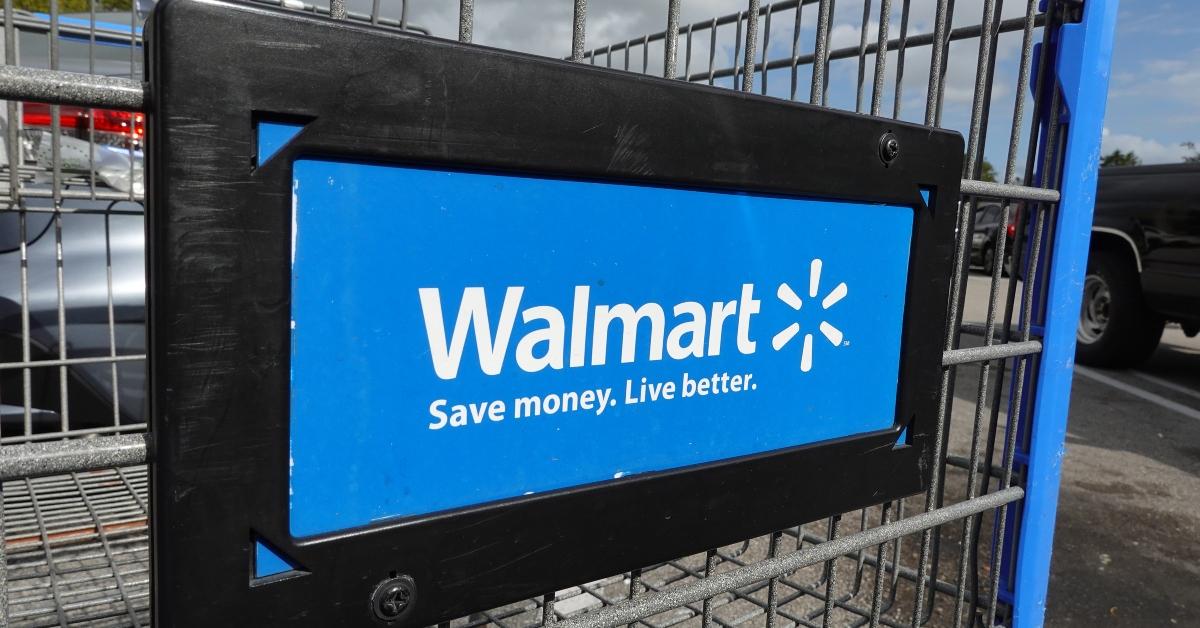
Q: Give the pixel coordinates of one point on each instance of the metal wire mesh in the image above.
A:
(78, 549)
(73, 361)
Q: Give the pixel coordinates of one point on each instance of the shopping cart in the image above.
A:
(975, 548)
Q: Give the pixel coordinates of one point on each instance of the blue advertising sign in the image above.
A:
(472, 325)
(463, 337)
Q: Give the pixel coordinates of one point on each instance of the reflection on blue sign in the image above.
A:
(462, 337)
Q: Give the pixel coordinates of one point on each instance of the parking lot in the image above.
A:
(1125, 551)
(281, 384)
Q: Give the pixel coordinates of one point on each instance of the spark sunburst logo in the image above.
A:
(789, 297)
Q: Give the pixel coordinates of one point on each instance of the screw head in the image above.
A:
(889, 148)
(393, 598)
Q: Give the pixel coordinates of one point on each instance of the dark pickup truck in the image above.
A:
(1144, 265)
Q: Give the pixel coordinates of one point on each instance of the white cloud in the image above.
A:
(1166, 66)
(545, 27)
(1173, 79)
(850, 35)
(1150, 151)
(1186, 84)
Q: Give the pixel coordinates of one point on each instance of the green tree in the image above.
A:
(1118, 158)
(1194, 158)
(987, 172)
(71, 6)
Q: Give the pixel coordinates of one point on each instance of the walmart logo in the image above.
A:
(789, 297)
(588, 334)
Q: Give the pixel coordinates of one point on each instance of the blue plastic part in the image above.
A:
(273, 136)
(1083, 67)
(268, 562)
(1012, 532)
(925, 194)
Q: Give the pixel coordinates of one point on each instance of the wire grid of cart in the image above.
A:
(72, 441)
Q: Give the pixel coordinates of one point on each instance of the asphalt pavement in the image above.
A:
(1127, 541)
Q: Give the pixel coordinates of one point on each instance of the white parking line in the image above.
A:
(1166, 384)
(1187, 411)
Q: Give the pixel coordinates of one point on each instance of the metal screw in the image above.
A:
(889, 148)
(393, 597)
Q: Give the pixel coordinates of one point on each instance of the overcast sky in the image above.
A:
(1153, 97)
(1152, 103)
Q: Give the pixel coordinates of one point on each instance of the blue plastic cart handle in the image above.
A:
(1083, 67)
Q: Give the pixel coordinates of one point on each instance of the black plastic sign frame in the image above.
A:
(220, 230)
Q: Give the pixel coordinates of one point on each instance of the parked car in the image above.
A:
(103, 271)
(1144, 263)
(95, 236)
(987, 233)
(104, 312)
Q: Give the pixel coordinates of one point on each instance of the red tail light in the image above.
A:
(1012, 221)
(123, 122)
(128, 124)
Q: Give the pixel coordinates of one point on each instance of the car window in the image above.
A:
(987, 214)
(107, 59)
